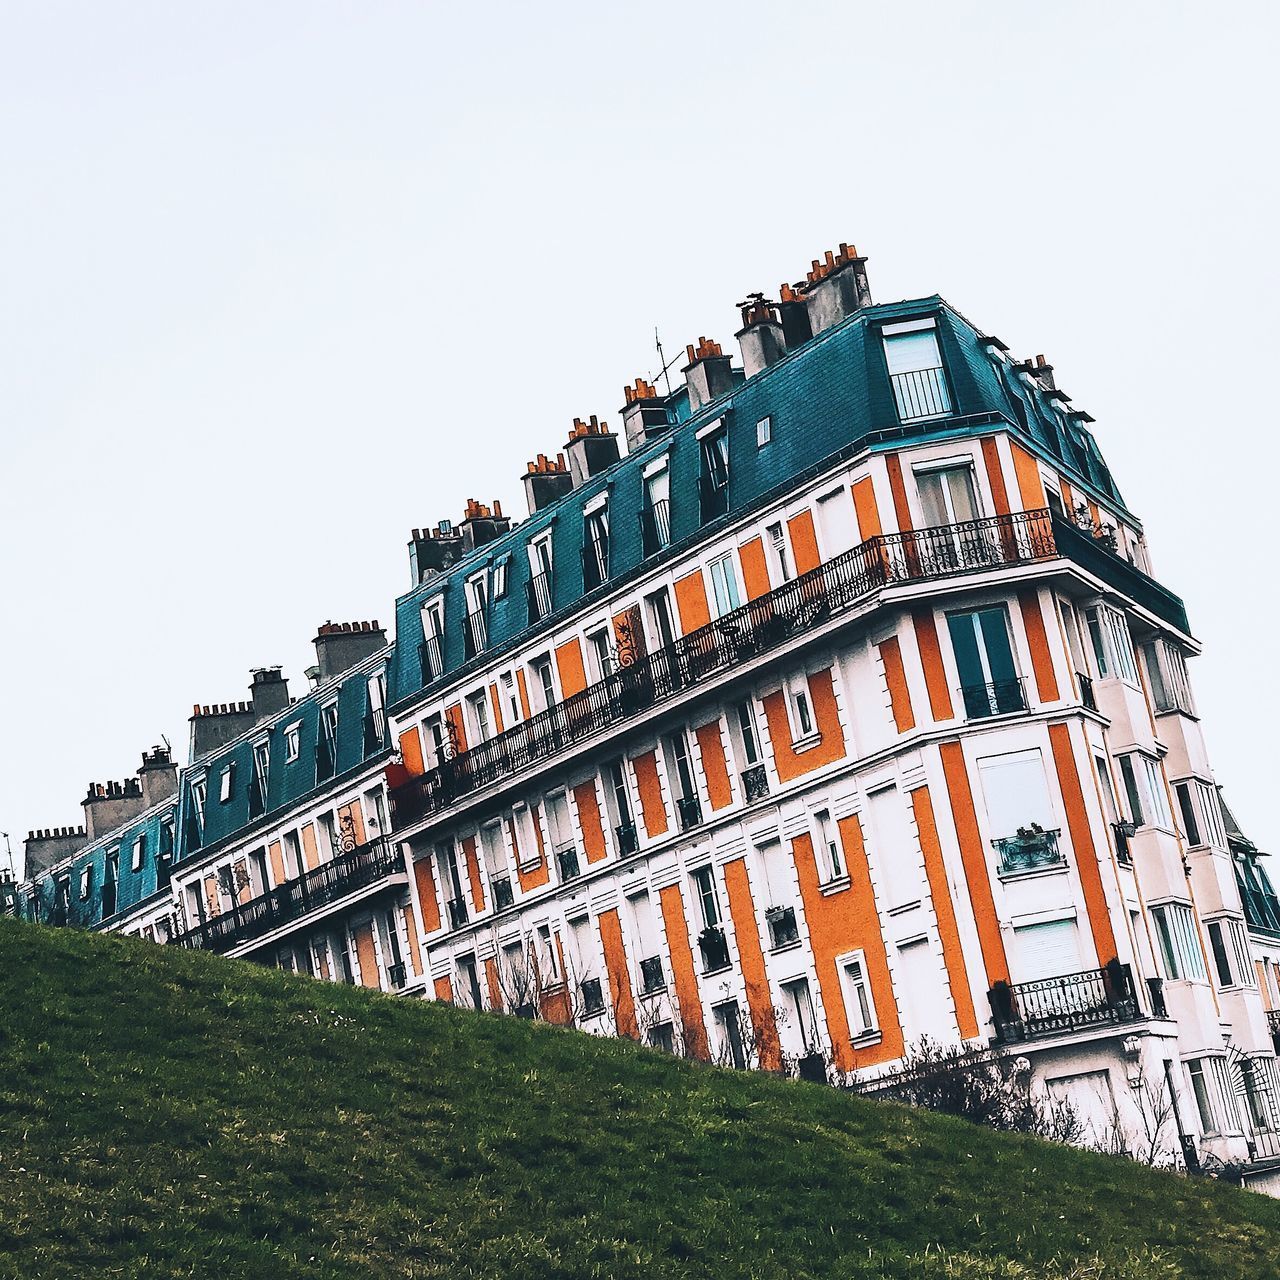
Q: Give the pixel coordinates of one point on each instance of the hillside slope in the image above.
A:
(174, 1114)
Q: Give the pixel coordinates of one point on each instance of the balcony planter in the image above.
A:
(813, 1067)
(1032, 849)
(627, 840)
(502, 893)
(714, 948)
(782, 926)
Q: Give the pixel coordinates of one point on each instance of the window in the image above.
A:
(1144, 787)
(680, 779)
(375, 725)
(139, 853)
(1210, 1086)
(86, 881)
(1112, 645)
(595, 551)
(857, 996)
(1186, 807)
(724, 585)
(1167, 675)
(837, 522)
(476, 635)
(827, 847)
(436, 737)
(478, 703)
(800, 711)
(226, 783)
(947, 494)
(764, 432)
(617, 801)
(1201, 813)
(198, 791)
(510, 698)
(989, 681)
(658, 607)
(715, 474)
(662, 1036)
(915, 370)
(544, 679)
(704, 883)
(747, 735)
(1229, 944)
(327, 747)
(656, 524)
(779, 556)
(498, 577)
(451, 879)
(261, 775)
(469, 980)
(1179, 945)
(494, 849)
(548, 961)
(799, 1005)
(600, 654)
(1016, 792)
(292, 742)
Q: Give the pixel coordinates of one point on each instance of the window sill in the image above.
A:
(1036, 873)
(711, 973)
(800, 745)
(785, 946)
(653, 991)
(838, 885)
(587, 1014)
(867, 1038)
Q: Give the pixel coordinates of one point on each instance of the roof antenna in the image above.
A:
(657, 341)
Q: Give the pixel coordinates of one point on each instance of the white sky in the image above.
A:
(280, 281)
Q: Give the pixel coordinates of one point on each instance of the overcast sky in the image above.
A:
(280, 281)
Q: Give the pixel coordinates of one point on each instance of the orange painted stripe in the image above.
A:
(751, 956)
(901, 507)
(830, 745)
(714, 765)
(804, 541)
(411, 751)
(974, 857)
(411, 929)
(615, 963)
(867, 509)
(651, 806)
(363, 934)
(1027, 470)
(686, 981)
(589, 820)
(498, 723)
(573, 675)
(691, 602)
(491, 981)
(935, 674)
(276, 859)
(845, 921)
(1038, 641)
(1068, 502)
(524, 692)
(311, 854)
(755, 572)
(945, 912)
(628, 633)
(424, 878)
(453, 715)
(355, 814)
(473, 871)
(444, 989)
(1095, 898)
(895, 675)
(995, 475)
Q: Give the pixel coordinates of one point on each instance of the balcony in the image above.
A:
(1072, 1002)
(363, 866)
(628, 843)
(690, 811)
(655, 527)
(1000, 698)
(1155, 992)
(652, 979)
(713, 497)
(595, 563)
(755, 783)
(1032, 849)
(1087, 700)
(783, 930)
(920, 394)
(592, 997)
(500, 891)
(475, 633)
(430, 660)
(567, 861)
(457, 908)
(714, 948)
(538, 590)
(1123, 833)
(763, 625)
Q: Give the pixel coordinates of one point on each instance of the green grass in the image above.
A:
(174, 1114)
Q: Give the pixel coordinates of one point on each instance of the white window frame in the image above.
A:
(727, 563)
(498, 577)
(778, 553)
(764, 431)
(795, 688)
(828, 848)
(1178, 942)
(226, 782)
(861, 1028)
(1112, 644)
(292, 741)
(139, 853)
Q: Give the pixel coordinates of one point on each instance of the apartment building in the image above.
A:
(841, 709)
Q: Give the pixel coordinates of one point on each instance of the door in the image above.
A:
(729, 1030)
(923, 993)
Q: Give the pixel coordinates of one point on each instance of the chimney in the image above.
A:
(340, 645)
(796, 329)
(644, 415)
(761, 337)
(1043, 372)
(434, 550)
(214, 726)
(546, 480)
(158, 775)
(592, 448)
(481, 525)
(707, 375)
(836, 287)
(48, 846)
(110, 804)
(269, 691)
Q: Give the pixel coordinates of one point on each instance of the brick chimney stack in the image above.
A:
(340, 645)
(215, 725)
(761, 337)
(482, 524)
(110, 804)
(545, 480)
(158, 776)
(48, 846)
(707, 375)
(432, 551)
(644, 415)
(794, 314)
(836, 287)
(269, 691)
(592, 448)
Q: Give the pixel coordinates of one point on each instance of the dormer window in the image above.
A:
(476, 638)
(915, 370)
(714, 480)
(595, 549)
(540, 566)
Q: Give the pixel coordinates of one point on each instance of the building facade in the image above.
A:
(841, 710)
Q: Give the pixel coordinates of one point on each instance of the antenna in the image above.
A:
(657, 342)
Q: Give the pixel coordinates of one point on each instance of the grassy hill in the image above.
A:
(172, 1114)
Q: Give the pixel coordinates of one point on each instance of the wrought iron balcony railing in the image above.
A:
(713, 496)
(475, 633)
(501, 892)
(628, 842)
(457, 912)
(592, 997)
(364, 865)
(755, 782)
(655, 526)
(1052, 1006)
(1032, 849)
(783, 930)
(1087, 700)
(714, 948)
(759, 627)
(651, 976)
(1000, 698)
(430, 660)
(921, 393)
(567, 860)
(690, 810)
(1123, 833)
(595, 563)
(538, 590)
